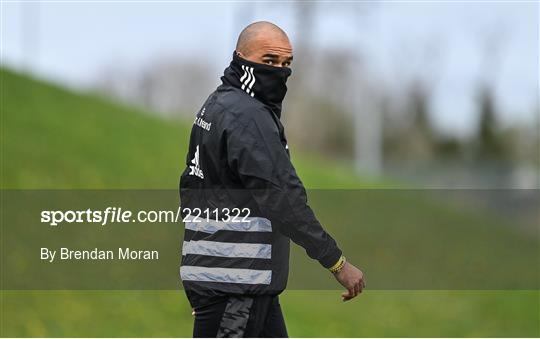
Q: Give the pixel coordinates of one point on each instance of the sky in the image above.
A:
(72, 42)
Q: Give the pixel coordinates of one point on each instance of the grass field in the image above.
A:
(308, 314)
(53, 138)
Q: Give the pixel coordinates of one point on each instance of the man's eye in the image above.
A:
(269, 62)
(286, 63)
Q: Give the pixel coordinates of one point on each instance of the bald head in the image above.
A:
(264, 42)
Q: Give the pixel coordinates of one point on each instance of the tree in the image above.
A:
(489, 143)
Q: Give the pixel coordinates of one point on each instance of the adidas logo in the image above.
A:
(195, 169)
(247, 80)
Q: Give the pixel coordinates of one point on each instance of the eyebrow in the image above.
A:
(275, 56)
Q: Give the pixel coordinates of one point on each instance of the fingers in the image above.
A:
(349, 294)
(361, 285)
(354, 283)
(346, 296)
(354, 291)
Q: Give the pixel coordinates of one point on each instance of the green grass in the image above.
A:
(307, 313)
(53, 138)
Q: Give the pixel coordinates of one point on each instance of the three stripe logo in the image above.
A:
(248, 80)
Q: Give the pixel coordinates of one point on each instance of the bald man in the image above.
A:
(243, 202)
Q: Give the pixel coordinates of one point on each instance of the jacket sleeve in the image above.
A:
(256, 155)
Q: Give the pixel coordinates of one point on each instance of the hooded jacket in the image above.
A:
(238, 157)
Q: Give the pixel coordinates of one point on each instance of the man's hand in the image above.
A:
(352, 279)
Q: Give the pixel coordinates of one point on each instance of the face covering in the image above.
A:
(263, 82)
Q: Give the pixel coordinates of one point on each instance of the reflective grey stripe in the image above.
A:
(227, 249)
(254, 224)
(226, 275)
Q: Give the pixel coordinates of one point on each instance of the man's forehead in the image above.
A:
(276, 50)
(267, 45)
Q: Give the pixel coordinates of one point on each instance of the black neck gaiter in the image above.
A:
(263, 82)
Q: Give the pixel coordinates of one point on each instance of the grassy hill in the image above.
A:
(54, 138)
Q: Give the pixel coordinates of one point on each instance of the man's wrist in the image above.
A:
(338, 266)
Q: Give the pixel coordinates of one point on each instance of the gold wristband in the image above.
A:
(339, 265)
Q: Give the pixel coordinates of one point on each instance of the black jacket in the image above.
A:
(238, 158)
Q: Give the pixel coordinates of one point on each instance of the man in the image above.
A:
(238, 161)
